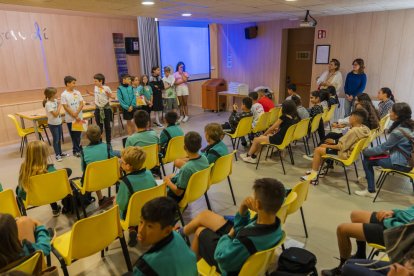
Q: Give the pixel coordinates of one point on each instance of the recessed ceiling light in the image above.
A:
(186, 14)
(147, 3)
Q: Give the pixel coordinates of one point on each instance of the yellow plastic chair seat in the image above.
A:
(329, 114)
(175, 150)
(262, 123)
(243, 128)
(204, 269)
(62, 245)
(8, 204)
(352, 158)
(152, 160)
(29, 265)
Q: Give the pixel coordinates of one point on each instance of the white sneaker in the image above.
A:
(63, 154)
(308, 157)
(159, 125)
(362, 180)
(185, 119)
(58, 158)
(365, 193)
(243, 155)
(180, 119)
(249, 159)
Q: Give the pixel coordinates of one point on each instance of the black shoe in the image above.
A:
(337, 271)
(133, 239)
(105, 202)
(56, 212)
(244, 144)
(356, 256)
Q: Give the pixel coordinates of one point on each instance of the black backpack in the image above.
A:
(296, 261)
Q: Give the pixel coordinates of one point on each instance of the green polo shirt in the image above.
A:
(169, 257)
(140, 180)
(215, 151)
(142, 139)
(173, 131)
(192, 166)
(22, 193)
(95, 152)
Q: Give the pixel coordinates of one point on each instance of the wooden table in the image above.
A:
(228, 94)
(40, 114)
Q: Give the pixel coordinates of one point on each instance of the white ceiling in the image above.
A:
(221, 11)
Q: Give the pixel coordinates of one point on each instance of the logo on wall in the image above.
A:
(16, 35)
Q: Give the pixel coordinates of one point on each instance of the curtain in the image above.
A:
(148, 44)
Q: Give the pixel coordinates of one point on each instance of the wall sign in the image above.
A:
(322, 54)
(39, 33)
(321, 34)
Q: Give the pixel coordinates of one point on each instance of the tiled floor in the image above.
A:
(328, 204)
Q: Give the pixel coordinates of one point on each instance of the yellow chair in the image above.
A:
(314, 128)
(152, 159)
(382, 128)
(285, 144)
(29, 264)
(256, 264)
(98, 176)
(262, 123)
(301, 133)
(243, 128)
(137, 201)
(372, 135)
(221, 170)
(89, 236)
(8, 204)
(43, 125)
(274, 115)
(376, 249)
(23, 133)
(55, 183)
(88, 116)
(175, 150)
(384, 174)
(197, 187)
(301, 189)
(329, 115)
(345, 162)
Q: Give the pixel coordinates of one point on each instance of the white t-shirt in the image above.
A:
(72, 100)
(290, 97)
(257, 110)
(169, 92)
(52, 106)
(101, 99)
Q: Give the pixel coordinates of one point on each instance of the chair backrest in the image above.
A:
(283, 211)
(197, 186)
(93, 234)
(244, 127)
(315, 122)
(222, 168)
(357, 149)
(262, 123)
(101, 174)
(137, 201)
(384, 122)
(330, 113)
(8, 204)
(373, 133)
(301, 189)
(288, 137)
(28, 266)
(175, 149)
(301, 129)
(258, 263)
(19, 129)
(151, 159)
(47, 188)
(274, 115)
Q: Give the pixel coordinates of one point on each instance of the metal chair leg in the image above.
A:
(231, 190)
(207, 201)
(356, 169)
(292, 161)
(258, 158)
(347, 182)
(380, 186)
(304, 223)
(181, 216)
(281, 161)
(126, 253)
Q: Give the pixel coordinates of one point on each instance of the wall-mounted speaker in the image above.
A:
(132, 45)
(250, 32)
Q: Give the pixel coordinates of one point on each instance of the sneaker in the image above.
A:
(180, 119)
(58, 158)
(308, 157)
(307, 177)
(337, 271)
(365, 193)
(133, 238)
(160, 125)
(243, 155)
(185, 119)
(362, 180)
(77, 154)
(56, 212)
(63, 154)
(250, 159)
(105, 201)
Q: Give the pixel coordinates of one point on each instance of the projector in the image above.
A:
(307, 24)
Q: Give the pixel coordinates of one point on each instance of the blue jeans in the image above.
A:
(352, 268)
(76, 138)
(348, 107)
(384, 163)
(56, 131)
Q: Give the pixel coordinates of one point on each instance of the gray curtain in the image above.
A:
(148, 44)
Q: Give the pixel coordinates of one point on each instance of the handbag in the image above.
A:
(399, 241)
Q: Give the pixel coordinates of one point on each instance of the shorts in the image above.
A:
(128, 115)
(181, 90)
(208, 240)
(374, 230)
(170, 103)
(332, 151)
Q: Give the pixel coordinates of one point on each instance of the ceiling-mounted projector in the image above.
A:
(306, 22)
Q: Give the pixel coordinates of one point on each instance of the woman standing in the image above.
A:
(355, 83)
(331, 77)
(157, 86)
(181, 88)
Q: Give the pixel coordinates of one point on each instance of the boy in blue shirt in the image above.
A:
(177, 183)
(169, 254)
(144, 136)
(227, 245)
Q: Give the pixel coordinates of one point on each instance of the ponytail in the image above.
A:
(388, 91)
(44, 102)
(49, 92)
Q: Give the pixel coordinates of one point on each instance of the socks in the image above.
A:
(361, 250)
(157, 117)
(254, 156)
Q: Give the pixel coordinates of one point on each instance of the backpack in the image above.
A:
(296, 261)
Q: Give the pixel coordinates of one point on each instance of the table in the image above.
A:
(40, 114)
(228, 94)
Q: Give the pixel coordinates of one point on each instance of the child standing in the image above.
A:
(128, 102)
(137, 178)
(181, 88)
(54, 121)
(103, 111)
(72, 102)
(144, 89)
(169, 90)
(157, 85)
